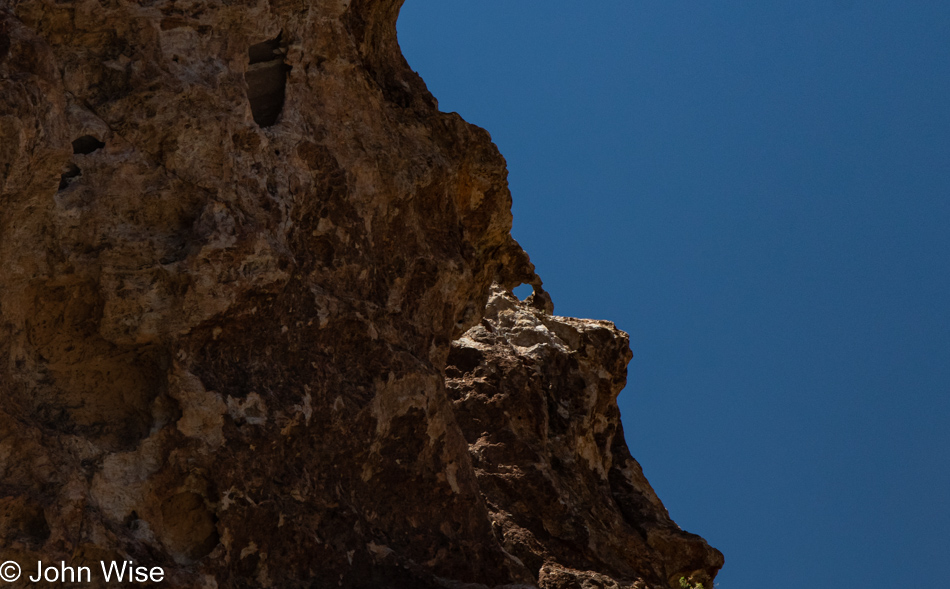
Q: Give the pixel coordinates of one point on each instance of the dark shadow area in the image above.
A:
(266, 80)
(87, 144)
(72, 171)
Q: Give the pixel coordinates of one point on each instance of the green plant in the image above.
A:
(684, 584)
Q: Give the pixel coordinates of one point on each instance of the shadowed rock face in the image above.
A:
(237, 241)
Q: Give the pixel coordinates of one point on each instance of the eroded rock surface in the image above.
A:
(236, 243)
(535, 397)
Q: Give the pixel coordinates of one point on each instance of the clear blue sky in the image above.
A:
(759, 193)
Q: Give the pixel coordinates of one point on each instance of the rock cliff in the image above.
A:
(256, 325)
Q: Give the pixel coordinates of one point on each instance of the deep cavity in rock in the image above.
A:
(266, 81)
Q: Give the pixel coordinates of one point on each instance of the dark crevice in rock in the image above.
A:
(72, 171)
(266, 80)
(463, 360)
(87, 144)
(22, 521)
(4, 41)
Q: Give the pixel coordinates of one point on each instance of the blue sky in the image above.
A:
(759, 193)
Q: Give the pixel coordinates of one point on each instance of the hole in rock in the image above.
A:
(72, 171)
(87, 144)
(464, 359)
(266, 80)
(131, 520)
(523, 291)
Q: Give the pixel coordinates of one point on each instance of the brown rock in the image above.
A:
(236, 243)
(535, 397)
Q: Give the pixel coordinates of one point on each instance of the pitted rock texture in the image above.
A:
(236, 243)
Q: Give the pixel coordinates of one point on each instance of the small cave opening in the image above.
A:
(266, 79)
(69, 173)
(87, 144)
(463, 359)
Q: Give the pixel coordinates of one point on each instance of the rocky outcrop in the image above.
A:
(237, 241)
(535, 397)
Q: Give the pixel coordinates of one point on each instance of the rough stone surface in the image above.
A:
(237, 241)
(535, 397)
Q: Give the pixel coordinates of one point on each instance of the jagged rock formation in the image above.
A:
(237, 241)
(535, 397)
